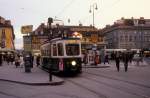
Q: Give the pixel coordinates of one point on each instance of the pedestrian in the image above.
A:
(130, 57)
(1, 60)
(38, 60)
(126, 60)
(117, 60)
(106, 59)
(12, 59)
(8, 58)
(96, 60)
(17, 61)
(85, 58)
(21, 61)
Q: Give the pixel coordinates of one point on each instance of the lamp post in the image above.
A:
(92, 8)
(50, 21)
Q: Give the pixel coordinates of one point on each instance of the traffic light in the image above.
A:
(50, 20)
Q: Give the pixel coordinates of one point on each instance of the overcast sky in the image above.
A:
(34, 12)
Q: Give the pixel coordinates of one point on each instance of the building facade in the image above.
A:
(89, 36)
(7, 35)
(128, 34)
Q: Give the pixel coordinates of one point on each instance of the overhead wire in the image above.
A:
(65, 8)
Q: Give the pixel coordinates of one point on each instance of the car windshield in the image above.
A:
(72, 49)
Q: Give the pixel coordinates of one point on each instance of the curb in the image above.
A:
(95, 66)
(35, 84)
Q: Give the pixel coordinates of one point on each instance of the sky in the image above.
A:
(35, 12)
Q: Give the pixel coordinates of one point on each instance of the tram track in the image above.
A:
(112, 78)
(86, 88)
(116, 87)
(99, 94)
(138, 89)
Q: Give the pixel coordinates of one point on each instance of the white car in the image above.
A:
(137, 57)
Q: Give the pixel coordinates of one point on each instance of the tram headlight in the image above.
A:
(73, 63)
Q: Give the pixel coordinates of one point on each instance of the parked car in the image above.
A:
(137, 57)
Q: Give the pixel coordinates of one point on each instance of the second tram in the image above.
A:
(62, 55)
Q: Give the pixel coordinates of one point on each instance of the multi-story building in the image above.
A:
(89, 36)
(128, 34)
(7, 35)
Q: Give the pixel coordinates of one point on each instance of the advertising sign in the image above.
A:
(26, 29)
(94, 38)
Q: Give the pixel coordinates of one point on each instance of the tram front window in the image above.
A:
(72, 49)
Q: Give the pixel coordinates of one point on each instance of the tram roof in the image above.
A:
(56, 39)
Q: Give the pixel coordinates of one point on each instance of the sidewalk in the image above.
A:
(96, 66)
(18, 75)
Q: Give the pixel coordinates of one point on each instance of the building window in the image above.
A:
(126, 38)
(121, 38)
(145, 33)
(135, 32)
(130, 38)
(134, 38)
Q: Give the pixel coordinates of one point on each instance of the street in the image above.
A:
(92, 83)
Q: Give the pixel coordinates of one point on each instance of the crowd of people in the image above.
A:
(18, 59)
(125, 57)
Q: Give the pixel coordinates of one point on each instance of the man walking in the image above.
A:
(1, 60)
(126, 60)
(38, 60)
(106, 59)
(117, 60)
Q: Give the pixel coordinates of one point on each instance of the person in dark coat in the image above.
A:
(17, 61)
(126, 60)
(117, 60)
(12, 58)
(1, 60)
(8, 58)
(106, 59)
(38, 60)
(85, 58)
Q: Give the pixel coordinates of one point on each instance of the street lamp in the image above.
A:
(50, 21)
(92, 8)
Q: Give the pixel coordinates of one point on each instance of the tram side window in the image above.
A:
(54, 50)
(60, 49)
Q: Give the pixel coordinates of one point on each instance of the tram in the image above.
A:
(62, 55)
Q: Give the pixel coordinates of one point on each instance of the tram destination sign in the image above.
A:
(72, 41)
